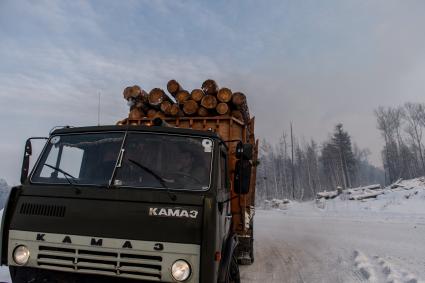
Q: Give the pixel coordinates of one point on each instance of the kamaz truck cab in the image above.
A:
(132, 203)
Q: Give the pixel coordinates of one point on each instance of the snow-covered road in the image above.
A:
(313, 247)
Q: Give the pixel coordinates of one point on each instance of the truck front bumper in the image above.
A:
(141, 260)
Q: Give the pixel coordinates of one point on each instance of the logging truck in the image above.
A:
(165, 197)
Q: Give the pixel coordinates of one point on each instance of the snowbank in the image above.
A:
(403, 201)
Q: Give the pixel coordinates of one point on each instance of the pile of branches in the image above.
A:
(207, 101)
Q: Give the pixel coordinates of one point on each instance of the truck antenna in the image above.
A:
(98, 111)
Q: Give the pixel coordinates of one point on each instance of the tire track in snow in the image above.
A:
(311, 249)
(396, 275)
(274, 263)
(377, 270)
(364, 266)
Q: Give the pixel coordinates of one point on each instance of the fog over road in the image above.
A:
(317, 248)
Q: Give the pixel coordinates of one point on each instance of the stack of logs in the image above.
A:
(209, 100)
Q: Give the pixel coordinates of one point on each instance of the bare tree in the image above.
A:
(414, 116)
(389, 123)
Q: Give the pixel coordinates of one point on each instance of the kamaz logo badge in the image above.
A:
(173, 212)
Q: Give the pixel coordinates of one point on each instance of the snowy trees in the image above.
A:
(338, 158)
(315, 168)
(402, 129)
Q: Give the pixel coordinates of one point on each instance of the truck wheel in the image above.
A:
(251, 245)
(251, 252)
(233, 275)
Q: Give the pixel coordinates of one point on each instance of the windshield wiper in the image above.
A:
(66, 175)
(161, 180)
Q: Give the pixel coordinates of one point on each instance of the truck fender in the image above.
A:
(226, 259)
(5, 222)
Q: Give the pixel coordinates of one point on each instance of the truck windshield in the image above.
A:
(147, 161)
(155, 160)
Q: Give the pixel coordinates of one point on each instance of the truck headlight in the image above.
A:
(21, 255)
(180, 270)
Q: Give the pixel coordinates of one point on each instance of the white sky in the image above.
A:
(316, 63)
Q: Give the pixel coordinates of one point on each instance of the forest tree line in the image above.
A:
(402, 130)
(298, 169)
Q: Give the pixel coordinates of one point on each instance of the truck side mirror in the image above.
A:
(26, 162)
(244, 151)
(242, 179)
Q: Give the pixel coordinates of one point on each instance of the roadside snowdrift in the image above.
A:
(402, 201)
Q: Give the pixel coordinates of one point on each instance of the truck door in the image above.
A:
(224, 196)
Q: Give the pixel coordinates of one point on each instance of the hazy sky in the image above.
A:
(316, 63)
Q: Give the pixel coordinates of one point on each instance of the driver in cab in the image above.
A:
(188, 169)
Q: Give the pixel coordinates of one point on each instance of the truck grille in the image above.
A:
(128, 265)
(42, 209)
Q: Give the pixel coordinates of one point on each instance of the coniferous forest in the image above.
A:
(297, 169)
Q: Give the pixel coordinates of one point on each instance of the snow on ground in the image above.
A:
(404, 203)
(296, 248)
(342, 240)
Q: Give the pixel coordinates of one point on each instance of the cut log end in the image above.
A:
(182, 96)
(238, 98)
(197, 94)
(210, 87)
(166, 107)
(190, 107)
(173, 87)
(132, 92)
(224, 95)
(174, 110)
(156, 96)
(222, 108)
(203, 112)
(209, 102)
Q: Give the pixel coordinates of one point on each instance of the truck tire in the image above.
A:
(251, 250)
(233, 275)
